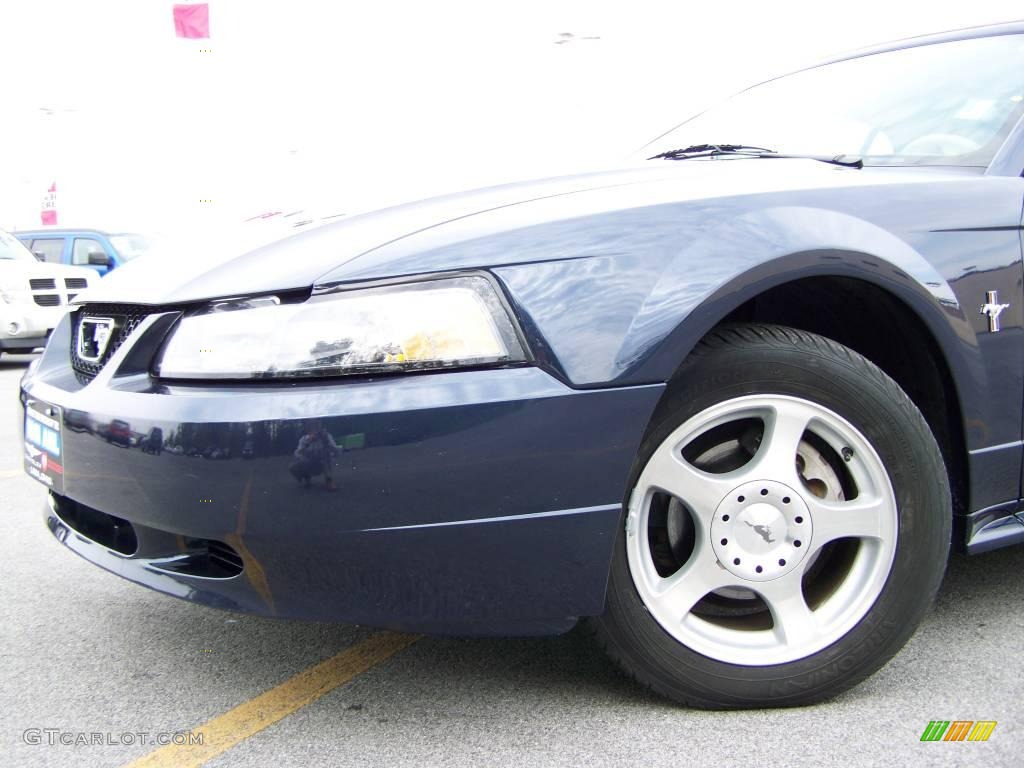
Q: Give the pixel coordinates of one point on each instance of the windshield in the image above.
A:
(129, 247)
(11, 248)
(941, 104)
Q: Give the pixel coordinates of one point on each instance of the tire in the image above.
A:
(787, 529)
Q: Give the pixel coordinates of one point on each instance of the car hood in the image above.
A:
(221, 265)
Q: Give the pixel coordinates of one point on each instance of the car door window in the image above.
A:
(83, 247)
(52, 248)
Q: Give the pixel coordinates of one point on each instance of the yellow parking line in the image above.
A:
(225, 731)
(253, 568)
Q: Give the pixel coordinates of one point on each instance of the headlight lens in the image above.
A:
(447, 323)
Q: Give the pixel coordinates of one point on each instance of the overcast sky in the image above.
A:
(334, 107)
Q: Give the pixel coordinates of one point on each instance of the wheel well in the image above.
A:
(874, 323)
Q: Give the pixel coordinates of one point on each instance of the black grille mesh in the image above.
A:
(126, 319)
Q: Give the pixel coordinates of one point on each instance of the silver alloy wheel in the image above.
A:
(760, 528)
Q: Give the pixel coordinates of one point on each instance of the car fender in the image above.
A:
(659, 278)
(615, 340)
(745, 256)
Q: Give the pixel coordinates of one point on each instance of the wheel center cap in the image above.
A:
(761, 530)
(765, 527)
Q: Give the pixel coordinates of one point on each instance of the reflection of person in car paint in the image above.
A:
(315, 455)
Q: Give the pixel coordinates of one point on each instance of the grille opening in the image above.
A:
(208, 558)
(42, 283)
(47, 300)
(74, 282)
(106, 530)
(126, 319)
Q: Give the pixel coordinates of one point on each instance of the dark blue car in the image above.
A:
(731, 404)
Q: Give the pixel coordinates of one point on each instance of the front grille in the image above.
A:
(126, 319)
(42, 283)
(47, 300)
(75, 282)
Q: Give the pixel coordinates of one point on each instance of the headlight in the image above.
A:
(449, 323)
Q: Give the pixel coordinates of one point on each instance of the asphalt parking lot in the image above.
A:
(84, 652)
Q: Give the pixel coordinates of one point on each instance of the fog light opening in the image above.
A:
(106, 530)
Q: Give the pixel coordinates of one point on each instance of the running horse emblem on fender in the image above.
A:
(993, 309)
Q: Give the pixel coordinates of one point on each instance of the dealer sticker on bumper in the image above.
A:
(44, 458)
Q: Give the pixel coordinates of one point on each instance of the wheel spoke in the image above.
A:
(776, 457)
(701, 491)
(851, 519)
(677, 594)
(795, 624)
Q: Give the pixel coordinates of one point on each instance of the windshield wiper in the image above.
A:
(710, 149)
(744, 150)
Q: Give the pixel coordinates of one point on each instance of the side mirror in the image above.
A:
(39, 256)
(99, 258)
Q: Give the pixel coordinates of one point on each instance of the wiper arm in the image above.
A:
(744, 150)
(706, 150)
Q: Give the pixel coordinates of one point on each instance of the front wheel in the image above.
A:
(787, 529)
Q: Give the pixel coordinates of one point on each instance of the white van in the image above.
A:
(34, 295)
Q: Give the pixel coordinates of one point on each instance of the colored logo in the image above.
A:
(958, 730)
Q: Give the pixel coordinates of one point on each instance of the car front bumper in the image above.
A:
(475, 502)
(34, 325)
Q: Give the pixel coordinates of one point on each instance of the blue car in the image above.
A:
(729, 404)
(93, 248)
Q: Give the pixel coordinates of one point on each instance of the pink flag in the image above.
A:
(48, 215)
(192, 21)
